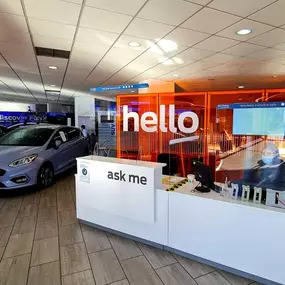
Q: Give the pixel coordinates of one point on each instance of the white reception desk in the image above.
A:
(128, 197)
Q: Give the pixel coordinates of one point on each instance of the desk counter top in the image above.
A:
(130, 162)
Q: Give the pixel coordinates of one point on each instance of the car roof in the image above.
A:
(49, 126)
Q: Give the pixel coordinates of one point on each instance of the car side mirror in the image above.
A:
(57, 144)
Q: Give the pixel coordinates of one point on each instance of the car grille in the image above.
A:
(2, 185)
(2, 172)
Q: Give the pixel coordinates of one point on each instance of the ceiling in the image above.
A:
(195, 40)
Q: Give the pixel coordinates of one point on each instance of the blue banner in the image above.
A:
(251, 105)
(119, 87)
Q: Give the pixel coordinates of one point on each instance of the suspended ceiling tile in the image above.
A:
(14, 37)
(186, 37)
(104, 20)
(53, 10)
(200, 2)
(272, 15)
(83, 53)
(220, 58)
(268, 54)
(79, 2)
(270, 39)
(172, 12)
(147, 29)
(11, 7)
(51, 42)
(257, 29)
(281, 46)
(52, 29)
(13, 23)
(194, 54)
(123, 52)
(219, 20)
(241, 7)
(243, 49)
(216, 43)
(128, 7)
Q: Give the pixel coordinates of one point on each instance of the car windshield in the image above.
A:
(27, 137)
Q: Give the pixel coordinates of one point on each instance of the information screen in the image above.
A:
(259, 121)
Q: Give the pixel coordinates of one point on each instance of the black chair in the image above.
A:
(171, 161)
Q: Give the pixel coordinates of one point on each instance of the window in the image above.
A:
(73, 133)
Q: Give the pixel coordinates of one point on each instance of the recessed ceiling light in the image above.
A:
(175, 75)
(134, 44)
(244, 32)
(274, 76)
(52, 85)
(52, 67)
(241, 87)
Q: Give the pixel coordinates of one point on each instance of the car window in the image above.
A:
(27, 137)
(72, 133)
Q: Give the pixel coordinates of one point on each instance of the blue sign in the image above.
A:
(119, 87)
(251, 105)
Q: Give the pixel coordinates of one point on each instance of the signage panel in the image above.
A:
(119, 87)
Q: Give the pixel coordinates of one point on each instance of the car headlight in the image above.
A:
(23, 160)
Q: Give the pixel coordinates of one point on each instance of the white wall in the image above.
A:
(84, 107)
(15, 107)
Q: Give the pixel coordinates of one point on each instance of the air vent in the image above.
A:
(57, 53)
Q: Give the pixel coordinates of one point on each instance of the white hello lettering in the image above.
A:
(149, 121)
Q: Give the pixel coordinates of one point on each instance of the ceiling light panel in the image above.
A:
(272, 15)
(147, 29)
(172, 12)
(52, 29)
(256, 28)
(218, 21)
(241, 7)
(186, 37)
(53, 10)
(127, 7)
(216, 44)
(270, 39)
(243, 49)
(104, 20)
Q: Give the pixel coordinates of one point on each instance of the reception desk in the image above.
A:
(240, 237)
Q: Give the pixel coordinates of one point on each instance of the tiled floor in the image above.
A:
(42, 243)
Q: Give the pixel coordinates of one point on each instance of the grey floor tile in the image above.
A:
(73, 258)
(70, 234)
(46, 229)
(65, 202)
(85, 227)
(14, 271)
(28, 210)
(194, 268)
(19, 244)
(48, 202)
(157, 257)
(2, 202)
(214, 278)
(13, 205)
(24, 225)
(124, 248)
(175, 274)
(123, 282)
(234, 279)
(7, 218)
(2, 251)
(67, 218)
(80, 278)
(46, 274)
(106, 267)
(4, 235)
(96, 240)
(139, 271)
(47, 214)
(44, 251)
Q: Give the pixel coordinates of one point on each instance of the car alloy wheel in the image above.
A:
(46, 176)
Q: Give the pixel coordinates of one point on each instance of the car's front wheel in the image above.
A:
(45, 176)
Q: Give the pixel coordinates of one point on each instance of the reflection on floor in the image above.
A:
(42, 242)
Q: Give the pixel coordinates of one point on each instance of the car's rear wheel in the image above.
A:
(45, 176)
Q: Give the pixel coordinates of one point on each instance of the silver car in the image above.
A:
(35, 154)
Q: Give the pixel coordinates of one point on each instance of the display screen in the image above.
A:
(259, 121)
